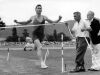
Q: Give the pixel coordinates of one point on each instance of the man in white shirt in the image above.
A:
(81, 44)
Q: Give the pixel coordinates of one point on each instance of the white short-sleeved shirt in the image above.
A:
(78, 27)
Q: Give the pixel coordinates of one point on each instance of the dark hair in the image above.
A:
(38, 6)
(77, 12)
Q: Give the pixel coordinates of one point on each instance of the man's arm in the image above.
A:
(23, 23)
(72, 34)
(73, 31)
(50, 21)
(86, 27)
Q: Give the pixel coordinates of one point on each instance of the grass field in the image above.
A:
(26, 62)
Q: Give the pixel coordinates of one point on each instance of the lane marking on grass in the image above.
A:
(51, 48)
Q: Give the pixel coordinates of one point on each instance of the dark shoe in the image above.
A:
(77, 70)
(82, 68)
(92, 69)
(74, 70)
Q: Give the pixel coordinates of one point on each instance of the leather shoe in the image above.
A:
(77, 70)
(92, 69)
(82, 68)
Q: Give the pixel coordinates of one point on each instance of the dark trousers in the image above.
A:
(81, 47)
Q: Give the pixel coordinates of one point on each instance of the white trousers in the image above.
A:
(96, 57)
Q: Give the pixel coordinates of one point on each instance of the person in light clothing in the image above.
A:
(29, 44)
(81, 44)
(95, 39)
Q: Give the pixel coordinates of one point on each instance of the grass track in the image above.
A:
(26, 62)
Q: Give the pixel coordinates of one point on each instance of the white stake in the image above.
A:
(62, 59)
(8, 55)
(62, 53)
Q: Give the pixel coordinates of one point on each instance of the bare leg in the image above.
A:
(39, 53)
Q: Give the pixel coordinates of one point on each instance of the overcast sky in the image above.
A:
(22, 10)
